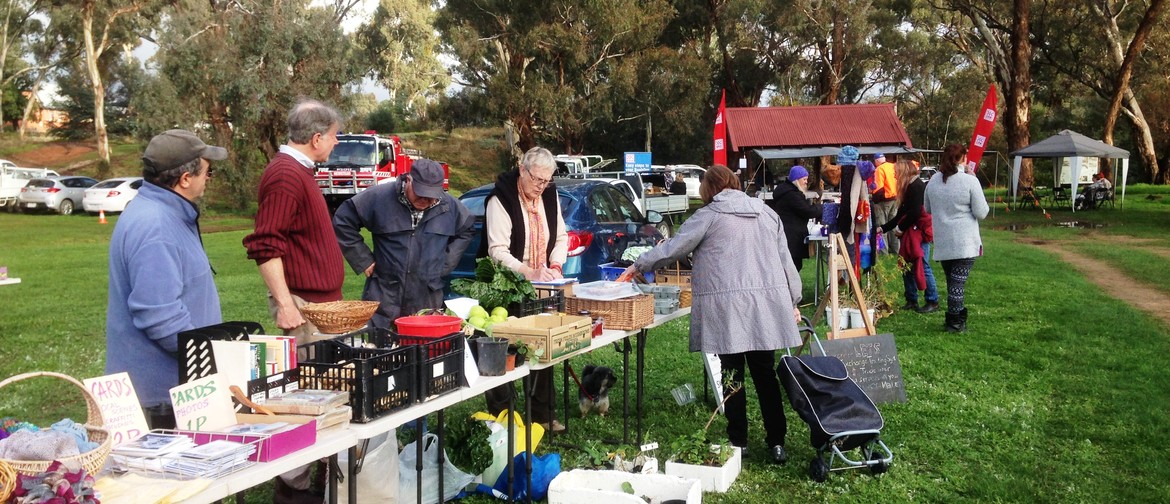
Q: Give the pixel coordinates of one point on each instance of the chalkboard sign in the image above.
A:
(873, 363)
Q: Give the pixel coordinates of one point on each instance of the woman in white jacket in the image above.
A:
(956, 204)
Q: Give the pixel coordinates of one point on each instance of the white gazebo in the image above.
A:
(1072, 145)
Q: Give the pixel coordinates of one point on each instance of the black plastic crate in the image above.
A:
(379, 380)
(367, 337)
(545, 298)
(442, 371)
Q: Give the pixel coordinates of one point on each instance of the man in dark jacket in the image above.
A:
(795, 210)
(419, 233)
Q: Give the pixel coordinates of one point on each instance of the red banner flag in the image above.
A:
(982, 132)
(721, 133)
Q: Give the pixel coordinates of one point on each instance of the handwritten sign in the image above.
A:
(203, 405)
(873, 363)
(118, 403)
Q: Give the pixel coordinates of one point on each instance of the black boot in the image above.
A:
(956, 322)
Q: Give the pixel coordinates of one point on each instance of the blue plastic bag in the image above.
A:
(544, 469)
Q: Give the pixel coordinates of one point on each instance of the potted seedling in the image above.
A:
(714, 463)
(523, 351)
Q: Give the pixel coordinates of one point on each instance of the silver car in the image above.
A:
(59, 194)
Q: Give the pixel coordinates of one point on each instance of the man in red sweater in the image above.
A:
(293, 243)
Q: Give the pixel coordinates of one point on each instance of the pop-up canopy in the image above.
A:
(1073, 145)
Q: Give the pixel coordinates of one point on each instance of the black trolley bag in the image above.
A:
(839, 414)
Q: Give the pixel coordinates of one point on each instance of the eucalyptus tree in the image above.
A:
(20, 23)
(401, 48)
(106, 28)
(238, 66)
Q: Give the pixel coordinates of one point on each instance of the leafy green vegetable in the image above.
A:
(468, 445)
(495, 285)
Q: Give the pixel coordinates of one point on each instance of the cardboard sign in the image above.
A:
(202, 405)
(118, 403)
(873, 363)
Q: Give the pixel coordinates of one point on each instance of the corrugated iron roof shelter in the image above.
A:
(777, 129)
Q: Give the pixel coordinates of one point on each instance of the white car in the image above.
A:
(111, 195)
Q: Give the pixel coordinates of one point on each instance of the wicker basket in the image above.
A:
(684, 298)
(340, 317)
(622, 314)
(7, 480)
(93, 460)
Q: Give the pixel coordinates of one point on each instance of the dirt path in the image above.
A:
(58, 155)
(1114, 282)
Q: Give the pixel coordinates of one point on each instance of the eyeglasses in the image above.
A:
(540, 182)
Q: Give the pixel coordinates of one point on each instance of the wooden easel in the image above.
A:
(838, 263)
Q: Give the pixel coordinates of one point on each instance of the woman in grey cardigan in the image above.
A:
(956, 204)
(745, 295)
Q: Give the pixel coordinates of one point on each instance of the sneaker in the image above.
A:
(911, 305)
(779, 456)
(928, 308)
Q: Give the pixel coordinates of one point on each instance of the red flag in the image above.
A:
(982, 132)
(721, 133)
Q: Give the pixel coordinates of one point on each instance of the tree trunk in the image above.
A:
(32, 101)
(92, 53)
(1122, 91)
(1019, 97)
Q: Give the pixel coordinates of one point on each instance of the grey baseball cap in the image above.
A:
(172, 148)
(426, 177)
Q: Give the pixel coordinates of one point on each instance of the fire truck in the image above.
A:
(361, 161)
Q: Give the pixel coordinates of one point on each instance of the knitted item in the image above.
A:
(11, 425)
(39, 445)
(68, 426)
(58, 484)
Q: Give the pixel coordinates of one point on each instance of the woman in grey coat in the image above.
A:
(745, 293)
(956, 204)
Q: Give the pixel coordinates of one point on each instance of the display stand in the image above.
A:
(839, 263)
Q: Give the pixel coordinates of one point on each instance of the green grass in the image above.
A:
(1055, 394)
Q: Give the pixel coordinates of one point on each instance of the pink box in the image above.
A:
(270, 446)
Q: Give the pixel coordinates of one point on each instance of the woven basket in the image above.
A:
(7, 480)
(684, 298)
(93, 460)
(622, 314)
(340, 317)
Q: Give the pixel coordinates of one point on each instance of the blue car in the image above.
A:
(600, 221)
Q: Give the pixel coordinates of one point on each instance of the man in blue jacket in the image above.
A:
(419, 232)
(160, 278)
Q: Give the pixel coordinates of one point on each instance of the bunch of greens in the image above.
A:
(494, 285)
(469, 448)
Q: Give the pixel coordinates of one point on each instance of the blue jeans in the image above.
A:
(911, 286)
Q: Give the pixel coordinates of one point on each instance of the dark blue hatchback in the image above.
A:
(600, 221)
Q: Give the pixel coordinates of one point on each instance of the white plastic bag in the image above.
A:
(454, 480)
(378, 465)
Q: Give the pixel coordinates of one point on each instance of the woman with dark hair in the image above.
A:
(745, 296)
(955, 201)
(913, 225)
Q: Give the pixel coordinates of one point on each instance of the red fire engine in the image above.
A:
(361, 161)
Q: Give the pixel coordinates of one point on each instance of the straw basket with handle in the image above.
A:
(340, 317)
(93, 460)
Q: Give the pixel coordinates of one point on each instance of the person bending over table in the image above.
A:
(525, 232)
(746, 292)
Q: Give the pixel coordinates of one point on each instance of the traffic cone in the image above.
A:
(101, 216)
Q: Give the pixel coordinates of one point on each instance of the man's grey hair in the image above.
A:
(538, 158)
(309, 117)
(170, 178)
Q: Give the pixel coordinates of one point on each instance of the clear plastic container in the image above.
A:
(604, 290)
(683, 394)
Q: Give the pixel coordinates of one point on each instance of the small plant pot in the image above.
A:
(509, 362)
(520, 359)
(493, 353)
(855, 319)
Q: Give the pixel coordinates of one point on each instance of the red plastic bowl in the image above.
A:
(427, 325)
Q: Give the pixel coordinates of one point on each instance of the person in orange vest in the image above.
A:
(885, 197)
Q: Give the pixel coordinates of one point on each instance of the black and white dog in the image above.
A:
(594, 392)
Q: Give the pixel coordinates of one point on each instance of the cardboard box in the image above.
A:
(556, 334)
(270, 446)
